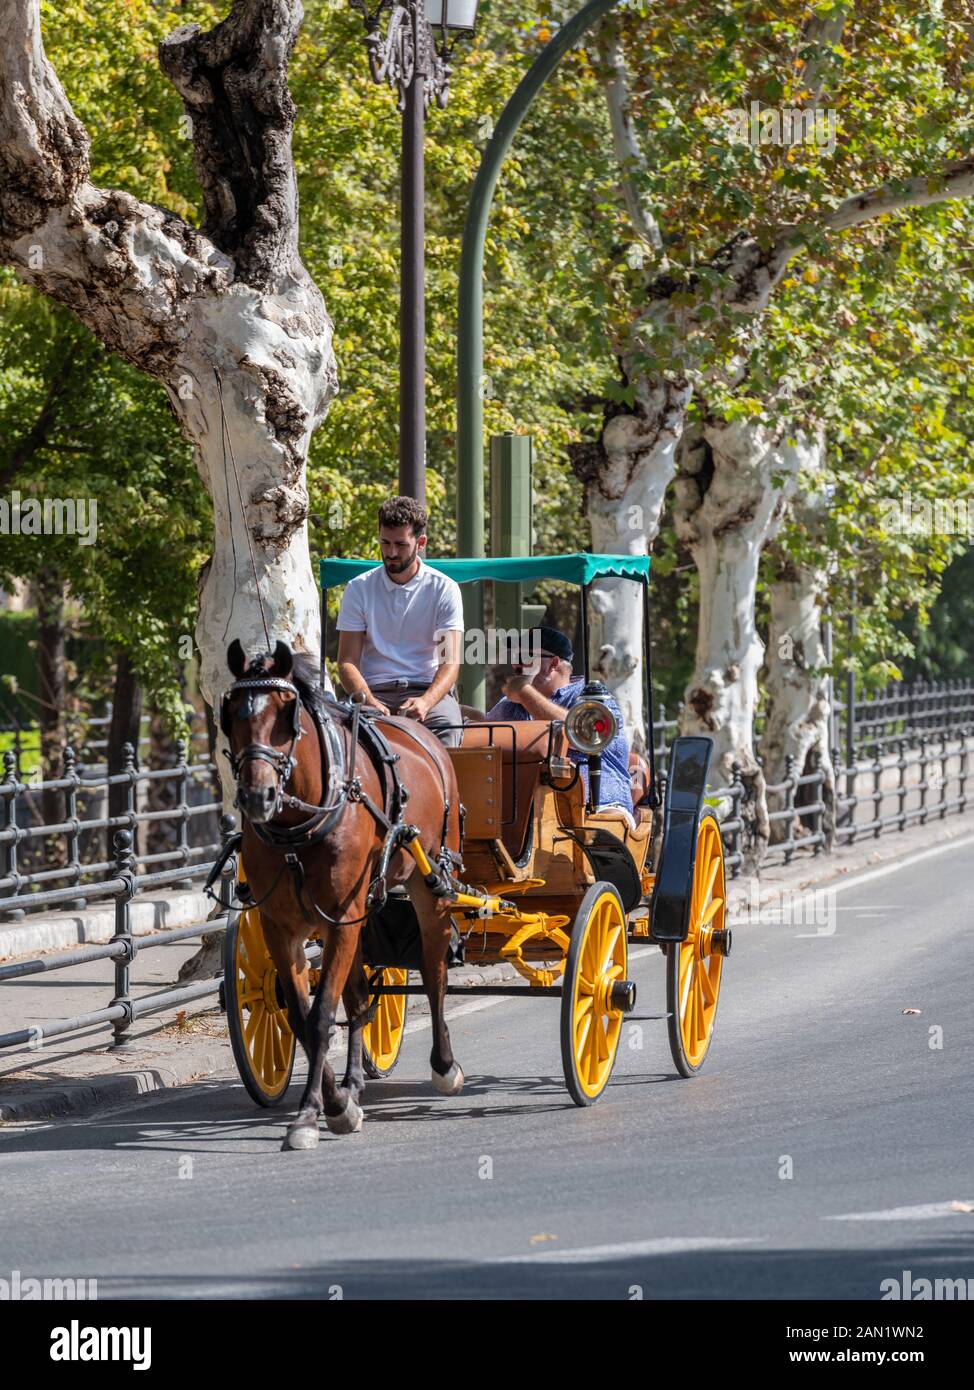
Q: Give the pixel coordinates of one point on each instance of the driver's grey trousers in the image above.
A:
(440, 718)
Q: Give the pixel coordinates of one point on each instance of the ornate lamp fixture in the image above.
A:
(410, 57)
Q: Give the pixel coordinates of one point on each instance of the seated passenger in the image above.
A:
(550, 694)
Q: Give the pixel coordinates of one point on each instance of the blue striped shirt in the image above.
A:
(615, 788)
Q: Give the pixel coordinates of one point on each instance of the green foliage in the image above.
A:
(868, 336)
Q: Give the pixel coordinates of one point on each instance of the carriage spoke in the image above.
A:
(711, 879)
(583, 1033)
(707, 984)
(280, 1050)
(613, 941)
(711, 910)
(601, 1042)
(583, 1007)
(253, 973)
(257, 1036)
(686, 979)
(251, 1026)
(699, 1028)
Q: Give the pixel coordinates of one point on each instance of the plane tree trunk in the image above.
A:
(225, 317)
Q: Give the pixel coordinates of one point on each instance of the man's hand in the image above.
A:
(375, 702)
(514, 686)
(416, 707)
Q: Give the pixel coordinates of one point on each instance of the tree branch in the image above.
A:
(126, 268)
(956, 181)
(233, 82)
(43, 146)
(629, 156)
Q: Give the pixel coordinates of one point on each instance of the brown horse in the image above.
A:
(292, 753)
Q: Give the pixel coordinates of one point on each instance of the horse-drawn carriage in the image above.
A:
(545, 880)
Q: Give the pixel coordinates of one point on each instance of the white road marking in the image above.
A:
(663, 1245)
(928, 1211)
(841, 886)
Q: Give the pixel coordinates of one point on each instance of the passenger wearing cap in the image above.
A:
(549, 693)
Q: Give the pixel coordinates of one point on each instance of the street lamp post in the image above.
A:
(409, 57)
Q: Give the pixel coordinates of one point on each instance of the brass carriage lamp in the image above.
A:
(591, 726)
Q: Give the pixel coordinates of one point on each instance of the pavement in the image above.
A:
(94, 924)
(823, 1152)
(82, 1074)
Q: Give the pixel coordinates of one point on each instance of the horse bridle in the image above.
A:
(323, 817)
(282, 763)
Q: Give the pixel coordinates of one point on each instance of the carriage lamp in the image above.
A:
(591, 726)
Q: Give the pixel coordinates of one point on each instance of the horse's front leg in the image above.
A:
(287, 953)
(342, 1113)
(436, 927)
(356, 1000)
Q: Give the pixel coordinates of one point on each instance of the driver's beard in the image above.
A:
(398, 566)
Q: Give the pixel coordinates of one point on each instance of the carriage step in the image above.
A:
(646, 1018)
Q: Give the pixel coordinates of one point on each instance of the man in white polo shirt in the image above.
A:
(400, 628)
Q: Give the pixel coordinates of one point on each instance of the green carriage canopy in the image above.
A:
(578, 568)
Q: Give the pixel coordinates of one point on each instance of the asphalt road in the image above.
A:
(666, 1188)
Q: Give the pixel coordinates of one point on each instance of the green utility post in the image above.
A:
(511, 458)
(470, 326)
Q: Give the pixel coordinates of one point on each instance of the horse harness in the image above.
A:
(341, 786)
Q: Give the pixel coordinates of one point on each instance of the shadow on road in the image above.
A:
(218, 1114)
(836, 1274)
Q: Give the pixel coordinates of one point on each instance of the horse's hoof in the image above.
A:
(348, 1122)
(451, 1084)
(303, 1136)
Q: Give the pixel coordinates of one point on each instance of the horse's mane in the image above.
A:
(306, 676)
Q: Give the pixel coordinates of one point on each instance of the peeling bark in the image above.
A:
(730, 496)
(794, 678)
(627, 471)
(625, 476)
(231, 305)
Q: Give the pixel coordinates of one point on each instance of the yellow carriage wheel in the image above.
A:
(382, 1036)
(591, 1021)
(693, 967)
(260, 1035)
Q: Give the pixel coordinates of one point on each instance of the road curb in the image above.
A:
(75, 1099)
(96, 925)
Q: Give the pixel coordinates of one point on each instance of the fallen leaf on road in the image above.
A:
(911, 1011)
(962, 1206)
(543, 1235)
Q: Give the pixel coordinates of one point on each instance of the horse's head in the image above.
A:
(260, 714)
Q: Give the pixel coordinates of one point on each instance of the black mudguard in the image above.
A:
(611, 862)
(685, 787)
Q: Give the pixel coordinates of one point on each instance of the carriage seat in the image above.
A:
(485, 818)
